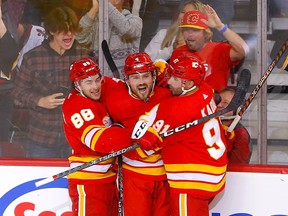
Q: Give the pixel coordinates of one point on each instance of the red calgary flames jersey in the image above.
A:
(126, 110)
(216, 59)
(195, 159)
(88, 130)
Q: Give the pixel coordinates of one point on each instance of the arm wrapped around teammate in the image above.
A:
(163, 72)
(112, 139)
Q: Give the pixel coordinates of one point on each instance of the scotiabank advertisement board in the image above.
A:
(20, 197)
(250, 191)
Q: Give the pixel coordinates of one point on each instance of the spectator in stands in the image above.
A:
(166, 40)
(18, 38)
(43, 80)
(239, 148)
(218, 57)
(79, 6)
(9, 49)
(124, 32)
(225, 10)
(30, 36)
(27, 37)
(8, 53)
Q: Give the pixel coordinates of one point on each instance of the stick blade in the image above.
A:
(44, 181)
(109, 59)
(242, 88)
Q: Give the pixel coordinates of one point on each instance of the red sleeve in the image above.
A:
(88, 127)
(113, 139)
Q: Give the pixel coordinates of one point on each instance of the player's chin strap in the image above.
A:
(78, 88)
(185, 91)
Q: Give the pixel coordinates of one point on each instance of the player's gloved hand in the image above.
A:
(163, 72)
(150, 140)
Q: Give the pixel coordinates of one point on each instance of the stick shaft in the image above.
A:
(120, 186)
(86, 165)
(109, 59)
(258, 86)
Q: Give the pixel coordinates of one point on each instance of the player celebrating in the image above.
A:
(145, 187)
(89, 132)
(195, 159)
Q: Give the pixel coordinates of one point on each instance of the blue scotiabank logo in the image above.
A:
(243, 214)
(26, 189)
(237, 214)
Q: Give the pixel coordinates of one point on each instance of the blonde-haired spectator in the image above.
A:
(166, 40)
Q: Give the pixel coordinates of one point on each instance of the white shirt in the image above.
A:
(153, 49)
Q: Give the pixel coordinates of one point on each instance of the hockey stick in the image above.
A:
(86, 165)
(109, 59)
(236, 101)
(120, 186)
(258, 87)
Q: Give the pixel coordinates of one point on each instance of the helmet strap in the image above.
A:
(78, 88)
(154, 80)
(185, 91)
(130, 91)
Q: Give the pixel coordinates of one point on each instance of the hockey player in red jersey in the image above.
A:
(88, 130)
(195, 159)
(145, 187)
(217, 57)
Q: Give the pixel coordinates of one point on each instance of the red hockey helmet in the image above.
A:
(138, 63)
(82, 69)
(189, 68)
